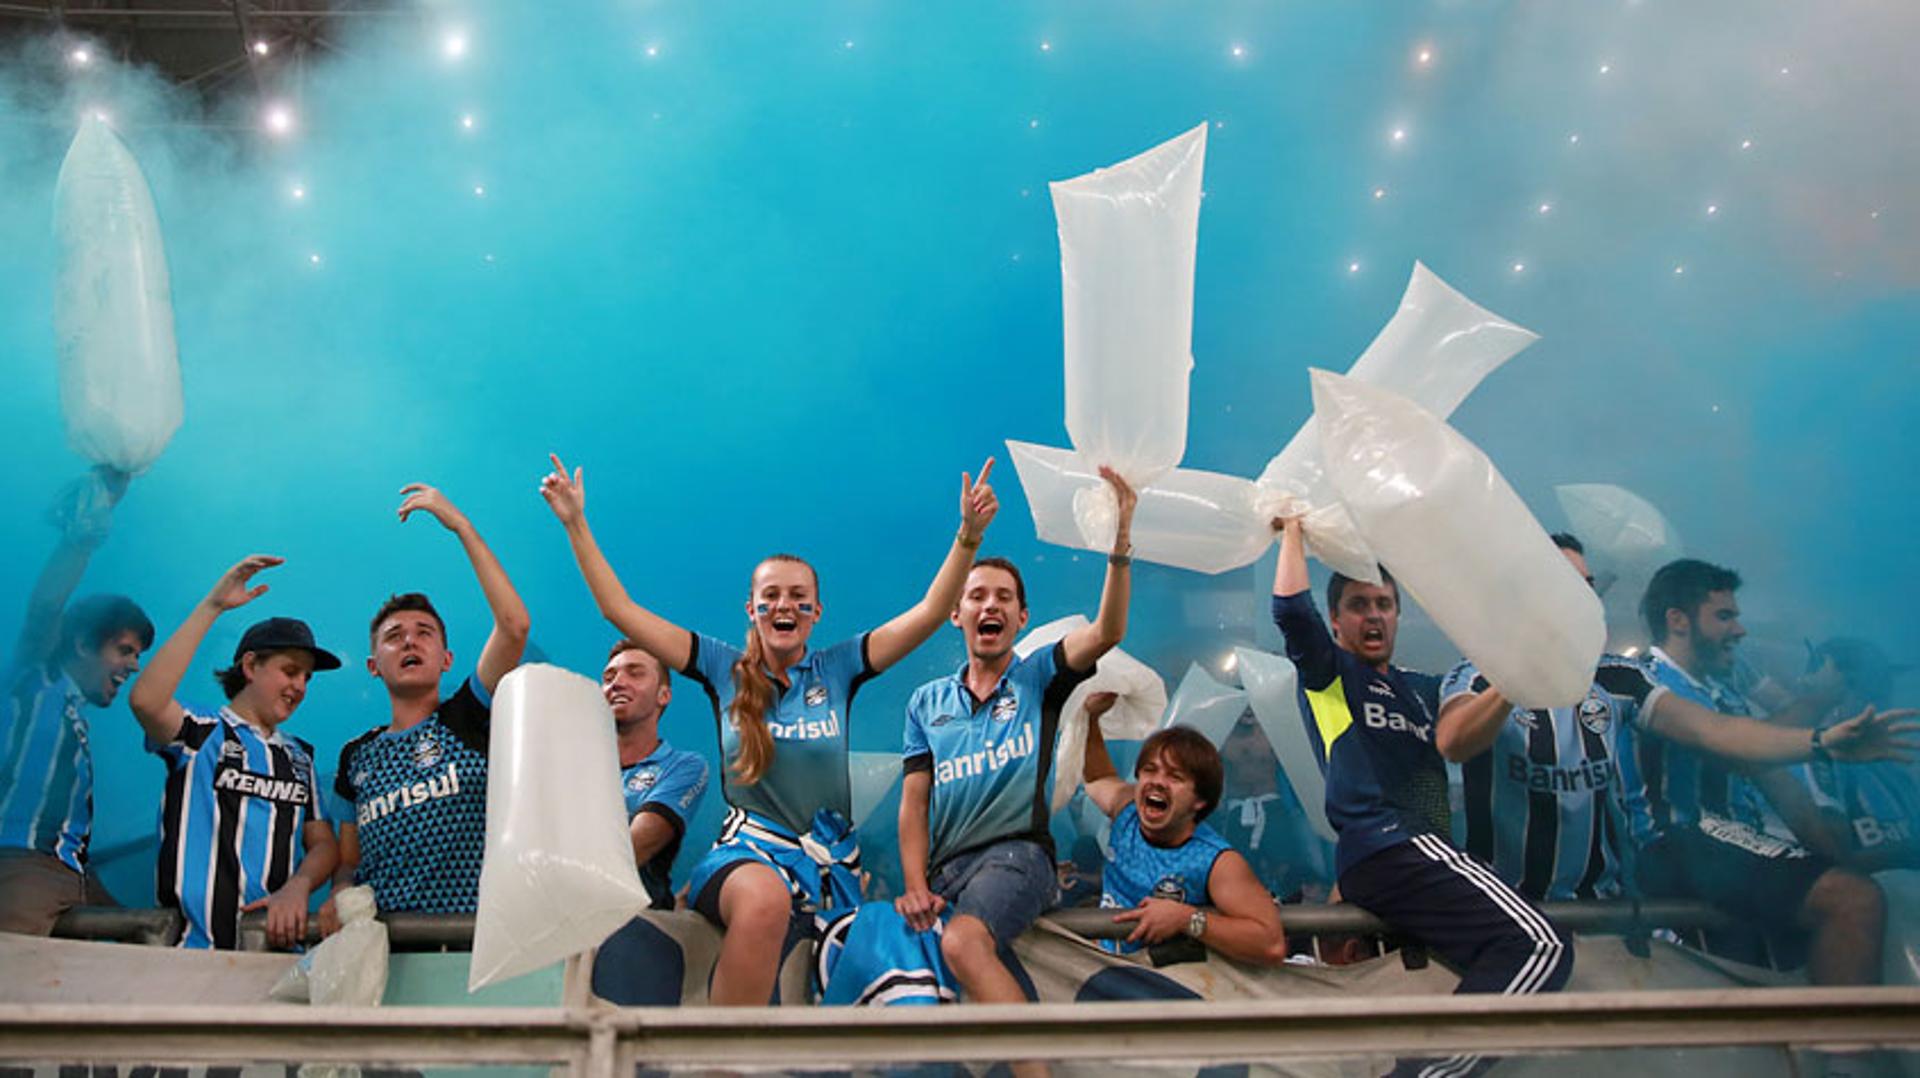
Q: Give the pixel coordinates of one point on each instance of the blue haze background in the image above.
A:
(776, 282)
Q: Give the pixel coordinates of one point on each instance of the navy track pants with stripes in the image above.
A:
(1455, 906)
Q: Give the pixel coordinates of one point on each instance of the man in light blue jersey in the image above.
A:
(663, 785)
(1554, 796)
(1170, 874)
(978, 755)
(418, 783)
(1700, 852)
(243, 820)
(61, 664)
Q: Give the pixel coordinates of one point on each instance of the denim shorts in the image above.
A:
(1006, 884)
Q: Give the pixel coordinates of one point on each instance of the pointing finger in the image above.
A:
(985, 469)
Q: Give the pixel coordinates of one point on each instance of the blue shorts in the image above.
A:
(1006, 884)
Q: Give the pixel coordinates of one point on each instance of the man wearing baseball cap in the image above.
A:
(243, 824)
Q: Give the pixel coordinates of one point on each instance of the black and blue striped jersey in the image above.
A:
(1553, 803)
(232, 820)
(46, 767)
(1372, 735)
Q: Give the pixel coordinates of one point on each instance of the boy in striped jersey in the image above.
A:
(61, 664)
(242, 823)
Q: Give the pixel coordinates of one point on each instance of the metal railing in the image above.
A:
(454, 931)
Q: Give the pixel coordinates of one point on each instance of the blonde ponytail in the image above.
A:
(752, 692)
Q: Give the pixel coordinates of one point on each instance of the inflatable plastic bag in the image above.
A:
(1196, 520)
(1617, 524)
(558, 875)
(1461, 543)
(1438, 346)
(1205, 705)
(1271, 682)
(1127, 238)
(349, 968)
(112, 307)
(1142, 698)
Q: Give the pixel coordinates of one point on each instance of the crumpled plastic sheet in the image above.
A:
(1461, 543)
(348, 968)
(1618, 525)
(558, 875)
(113, 307)
(1271, 683)
(1142, 699)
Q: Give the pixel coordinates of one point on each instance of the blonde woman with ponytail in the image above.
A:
(782, 711)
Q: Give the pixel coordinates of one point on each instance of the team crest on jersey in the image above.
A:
(1170, 887)
(816, 696)
(426, 752)
(1594, 714)
(1006, 707)
(641, 781)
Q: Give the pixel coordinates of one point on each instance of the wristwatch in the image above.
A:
(1817, 751)
(1197, 924)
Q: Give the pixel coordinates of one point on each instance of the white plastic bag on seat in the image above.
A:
(112, 307)
(1461, 543)
(558, 875)
(1127, 238)
(348, 968)
(1435, 349)
(1196, 520)
(1271, 681)
(1141, 699)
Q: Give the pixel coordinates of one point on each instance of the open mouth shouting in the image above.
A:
(991, 630)
(1154, 805)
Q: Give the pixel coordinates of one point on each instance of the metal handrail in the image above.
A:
(601, 1042)
(454, 931)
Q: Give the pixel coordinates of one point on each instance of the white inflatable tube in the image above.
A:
(1618, 524)
(1203, 521)
(1127, 239)
(112, 307)
(1460, 542)
(558, 874)
(1270, 681)
(1141, 700)
(1438, 346)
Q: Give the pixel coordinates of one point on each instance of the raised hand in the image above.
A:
(977, 503)
(1874, 735)
(1100, 703)
(421, 498)
(1124, 497)
(232, 589)
(567, 497)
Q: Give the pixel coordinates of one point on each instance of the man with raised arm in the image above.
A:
(1170, 873)
(663, 785)
(243, 822)
(1698, 849)
(1372, 728)
(418, 784)
(978, 756)
(61, 664)
(1553, 795)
